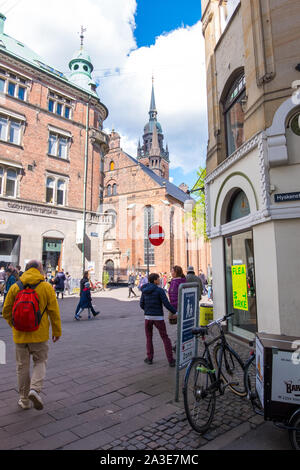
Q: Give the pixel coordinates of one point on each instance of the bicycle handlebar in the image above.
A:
(220, 320)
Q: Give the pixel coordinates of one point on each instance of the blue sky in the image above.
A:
(154, 17)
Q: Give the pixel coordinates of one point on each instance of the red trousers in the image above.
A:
(161, 326)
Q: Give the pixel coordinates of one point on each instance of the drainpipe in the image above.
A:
(86, 154)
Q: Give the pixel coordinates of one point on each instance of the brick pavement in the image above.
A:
(99, 394)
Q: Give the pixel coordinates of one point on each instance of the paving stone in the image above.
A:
(52, 443)
(61, 425)
(35, 422)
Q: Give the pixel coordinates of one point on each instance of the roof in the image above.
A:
(172, 189)
(19, 50)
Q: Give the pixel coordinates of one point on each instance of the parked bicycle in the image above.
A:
(203, 378)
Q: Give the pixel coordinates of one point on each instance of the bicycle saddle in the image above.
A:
(200, 331)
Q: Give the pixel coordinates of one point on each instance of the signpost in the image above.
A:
(188, 318)
(156, 236)
(239, 287)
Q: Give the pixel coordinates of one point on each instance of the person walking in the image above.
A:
(143, 281)
(60, 283)
(152, 300)
(131, 285)
(33, 343)
(84, 280)
(204, 281)
(191, 277)
(177, 278)
(68, 283)
(11, 278)
(85, 302)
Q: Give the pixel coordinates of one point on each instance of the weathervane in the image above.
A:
(83, 30)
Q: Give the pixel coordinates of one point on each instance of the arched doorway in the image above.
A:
(110, 269)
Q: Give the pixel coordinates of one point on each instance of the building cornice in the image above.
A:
(232, 159)
(41, 76)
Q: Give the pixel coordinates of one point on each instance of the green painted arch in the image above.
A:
(237, 173)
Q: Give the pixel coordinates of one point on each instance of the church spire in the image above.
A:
(155, 149)
(153, 110)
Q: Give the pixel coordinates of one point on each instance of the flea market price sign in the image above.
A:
(239, 287)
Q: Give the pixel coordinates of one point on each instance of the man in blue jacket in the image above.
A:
(152, 300)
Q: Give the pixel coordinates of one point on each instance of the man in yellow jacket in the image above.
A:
(33, 343)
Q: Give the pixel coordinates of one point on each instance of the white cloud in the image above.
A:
(176, 59)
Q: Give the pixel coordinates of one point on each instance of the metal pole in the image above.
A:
(85, 182)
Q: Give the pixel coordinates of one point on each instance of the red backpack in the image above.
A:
(26, 314)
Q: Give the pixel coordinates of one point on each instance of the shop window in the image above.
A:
(234, 114)
(238, 206)
(52, 255)
(240, 284)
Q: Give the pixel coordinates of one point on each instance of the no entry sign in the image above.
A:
(156, 235)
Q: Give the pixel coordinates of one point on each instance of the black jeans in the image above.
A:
(131, 291)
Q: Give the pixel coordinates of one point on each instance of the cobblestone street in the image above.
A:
(99, 394)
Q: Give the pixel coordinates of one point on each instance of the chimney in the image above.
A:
(2, 21)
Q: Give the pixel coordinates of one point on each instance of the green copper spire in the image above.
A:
(81, 68)
(2, 21)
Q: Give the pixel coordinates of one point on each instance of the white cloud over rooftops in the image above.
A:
(125, 71)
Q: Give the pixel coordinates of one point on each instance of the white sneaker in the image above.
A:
(24, 405)
(36, 400)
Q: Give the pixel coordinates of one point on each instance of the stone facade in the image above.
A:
(42, 165)
(138, 187)
(252, 81)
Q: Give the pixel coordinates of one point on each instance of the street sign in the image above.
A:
(188, 318)
(156, 235)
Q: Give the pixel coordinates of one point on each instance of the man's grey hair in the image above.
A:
(34, 264)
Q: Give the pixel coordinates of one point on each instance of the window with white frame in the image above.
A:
(13, 85)
(8, 181)
(10, 129)
(59, 105)
(56, 190)
(58, 145)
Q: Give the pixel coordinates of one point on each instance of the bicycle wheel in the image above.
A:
(250, 383)
(199, 400)
(294, 434)
(232, 370)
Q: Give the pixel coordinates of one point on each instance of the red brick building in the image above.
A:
(51, 160)
(137, 194)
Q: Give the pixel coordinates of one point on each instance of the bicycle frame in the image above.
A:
(206, 355)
